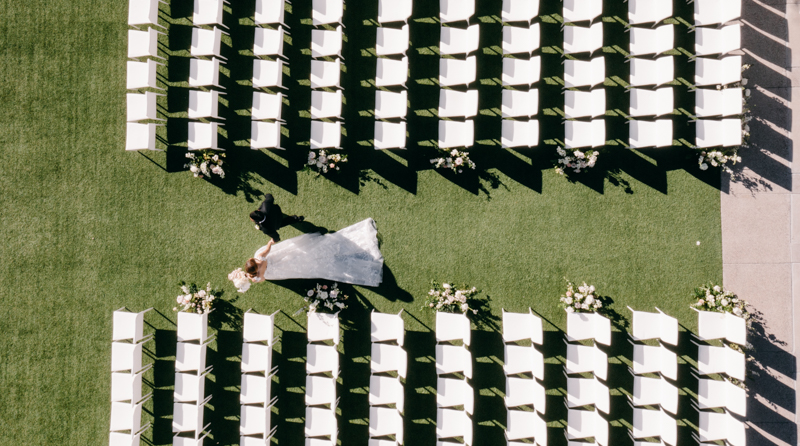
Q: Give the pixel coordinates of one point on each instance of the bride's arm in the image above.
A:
(265, 250)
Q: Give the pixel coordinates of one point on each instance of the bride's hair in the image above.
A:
(251, 267)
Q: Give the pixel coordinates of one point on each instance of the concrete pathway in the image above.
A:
(761, 217)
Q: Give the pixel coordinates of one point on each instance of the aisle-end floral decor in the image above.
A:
(449, 299)
(454, 160)
(195, 299)
(325, 161)
(577, 160)
(205, 163)
(580, 299)
(324, 299)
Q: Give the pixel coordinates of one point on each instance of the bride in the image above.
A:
(350, 255)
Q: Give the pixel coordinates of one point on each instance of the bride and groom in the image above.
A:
(350, 255)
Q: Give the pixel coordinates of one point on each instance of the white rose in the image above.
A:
(570, 310)
(568, 301)
(464, 307)
(737, 311)
(589, 299)
(446, 286)
(717, 288)
(194, 169)
(704, 166)
(310, 293)
(724, 302)
(323, 294)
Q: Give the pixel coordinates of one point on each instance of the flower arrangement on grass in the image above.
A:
(240, 280)
(712, 297)
(325, 299)
(454, 160)
(576, 160)
(195, 299)
(324, 161)
(580, 299)
(449, 299)
(205, 163)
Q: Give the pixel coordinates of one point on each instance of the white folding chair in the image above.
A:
(648, 11)
(323, 327)
(376, 442)
(711, 360)
(143, 43)
(457, 72)
(646, 41)
(320, 390)
(268, 73)
(588, 392)
(326, 43)
(519, 326)
(579, 39)
(655, 359)
(713, 394)
(452, 327)
(391, 105)
(453, 359)
(207, 42)
(582, 10)
(177, 440)
(269, 42)
(388, 358)
(519, 39)
(651, 102)
(717, 103)
(256, 358)
(387, 327)
(525, 392)
(714, 426)
(259, 327)
(142, 74)
(203, 135)
(204, 73)
(326, 74)
(256, 420)
(519, 133)
(456, 10)
(126, 416)
(654, 326)
(517, 104)
(523, 359)
(717, 71)
(191, 357)
(521, 71)
(459, 41)
(321, 422)
(391, 40)
(712, 133)
(385, 390)
(584, 358)
(716, 12)
(322, 359)
(326, 104)
(127, 387)
(204, 104)
(455, 392)
(143, 12)
(267, 106)
(655, 392)
(256, 441)
(453, 103)
(710, 41)
(265, 135)
(715, 325)
(188, 417)
(193, 327)
(585, 424)
(584, 104)
(269, 12)
(656, 133)
(584, 326)
(394, 11)
(584, 134)
(654, 423)
(326, 134)
(519, 10)
(451, 423)
(129, 326)
(391, 72)
(127, 438)
(652, 72)
(390, 135)
(324, 12)
(208, 12)
(456, 134)
(189, 387)
(581, 73)
(526, 425)
(385, 421)
(127, 357)
(256, 389)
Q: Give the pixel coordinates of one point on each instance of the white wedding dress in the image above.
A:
(350, 255)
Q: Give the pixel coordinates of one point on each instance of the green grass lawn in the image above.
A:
(88, 228)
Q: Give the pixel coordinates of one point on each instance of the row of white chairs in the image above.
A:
(256, 382)
(189, 398)
(323, 360)
(386, 390)
(706, 12)
(453, 337)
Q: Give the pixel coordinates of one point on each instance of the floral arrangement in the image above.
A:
(576, 160)
(580, 299)
(718, 159)
(205, 163)
(454, 160)
(447, 298)
(325, 299)
(716, 298)
(240, 280)
(325, 161)
(195, 299)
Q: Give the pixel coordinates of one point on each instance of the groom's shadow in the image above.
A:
(389, 289)
(307, 227)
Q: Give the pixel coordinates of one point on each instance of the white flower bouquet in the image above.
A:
(324, 161)
(205, 163)
(576, 160)
(718, 159)
(447, 298)
(712, 297)
(195, 299)
(454, 160)
(580, 299)
(325, 299)
(240, 280)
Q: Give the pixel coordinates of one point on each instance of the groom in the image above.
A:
(269, 218)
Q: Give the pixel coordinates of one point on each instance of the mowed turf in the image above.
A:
(88, 228)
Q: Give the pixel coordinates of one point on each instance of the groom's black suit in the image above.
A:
(274, 218)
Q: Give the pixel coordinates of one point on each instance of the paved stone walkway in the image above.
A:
(761, 217)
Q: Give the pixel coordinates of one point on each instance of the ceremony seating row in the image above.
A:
(386, 390)
(256, 381)
(517, 72)
(322, 372)
(189, 398)
(452, 328)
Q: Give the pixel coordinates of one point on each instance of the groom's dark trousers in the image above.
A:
(275, 218)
